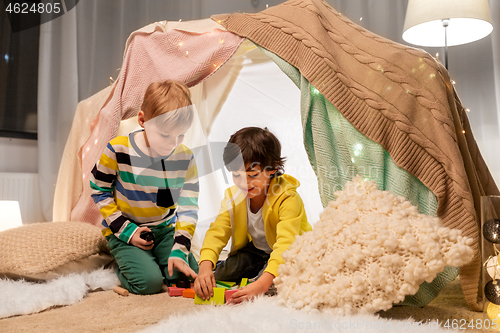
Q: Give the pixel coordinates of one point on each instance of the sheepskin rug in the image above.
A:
(368, 251)
(20, 297)
(265, 314)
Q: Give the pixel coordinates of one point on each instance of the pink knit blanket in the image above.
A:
(150, 57)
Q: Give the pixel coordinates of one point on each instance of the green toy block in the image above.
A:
(217, 298)
(225, 284)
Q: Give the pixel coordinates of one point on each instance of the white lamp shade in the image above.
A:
(469, 20)
(10, 214)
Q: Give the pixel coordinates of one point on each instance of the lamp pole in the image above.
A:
(446, 22)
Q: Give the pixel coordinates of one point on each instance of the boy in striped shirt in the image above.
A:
(148, 182)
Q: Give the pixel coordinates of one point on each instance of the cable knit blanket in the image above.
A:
(397, 96)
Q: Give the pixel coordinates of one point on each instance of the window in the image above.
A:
(18, 76)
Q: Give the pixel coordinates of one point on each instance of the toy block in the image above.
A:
(229, 293)
(174, 291)
(183, 284)
(120, 291)
(225, 284)
(216, 299)
(243, 282)
(188, 293)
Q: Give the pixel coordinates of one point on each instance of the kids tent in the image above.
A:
(366, 105)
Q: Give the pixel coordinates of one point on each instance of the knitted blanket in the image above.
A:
(395, 95)
(153, 54)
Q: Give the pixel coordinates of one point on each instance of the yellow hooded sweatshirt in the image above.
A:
(284, 218)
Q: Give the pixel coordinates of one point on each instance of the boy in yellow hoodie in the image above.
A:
(262, 213)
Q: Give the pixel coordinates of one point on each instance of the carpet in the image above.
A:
(106, 311)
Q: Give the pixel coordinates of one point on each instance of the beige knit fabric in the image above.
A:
(41, 247)
(397, 96)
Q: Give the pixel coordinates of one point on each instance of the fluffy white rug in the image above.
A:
(21, 297)
(265, 314)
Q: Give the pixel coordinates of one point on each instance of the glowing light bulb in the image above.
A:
(358, 149)
(468, 110)
(492, 267)
(493, 311)
(361, 19)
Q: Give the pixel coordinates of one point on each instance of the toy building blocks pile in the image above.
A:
(222, 292)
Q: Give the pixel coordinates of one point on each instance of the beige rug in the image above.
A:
(106, 311)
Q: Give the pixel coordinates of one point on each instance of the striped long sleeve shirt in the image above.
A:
(132, 189)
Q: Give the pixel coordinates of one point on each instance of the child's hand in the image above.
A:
(181, 266)
(205, 282)
(139, 242)
(253, 289)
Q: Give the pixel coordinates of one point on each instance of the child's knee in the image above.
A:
(147, 284)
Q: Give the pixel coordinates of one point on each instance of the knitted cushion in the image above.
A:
(48, 250)
(369, 250)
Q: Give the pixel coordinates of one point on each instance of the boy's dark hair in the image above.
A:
(257, 146)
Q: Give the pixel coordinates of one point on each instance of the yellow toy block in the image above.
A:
(217, 298)
(244, 282)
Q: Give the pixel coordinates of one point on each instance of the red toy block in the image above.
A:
(188, 293)
(229, 293)
(174, 291)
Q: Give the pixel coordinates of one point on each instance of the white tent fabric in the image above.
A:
(271, 100)
(249, 90)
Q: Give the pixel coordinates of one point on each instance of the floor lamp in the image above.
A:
(438, 23)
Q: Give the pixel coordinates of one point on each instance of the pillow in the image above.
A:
(48, 250)
(368, 251)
